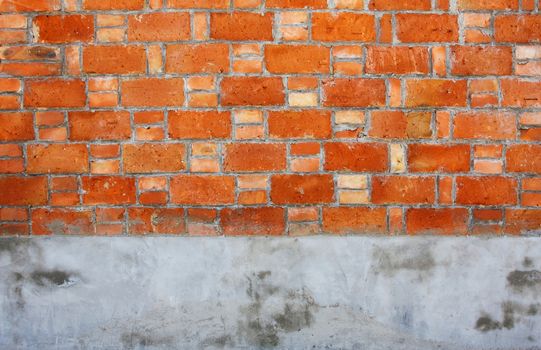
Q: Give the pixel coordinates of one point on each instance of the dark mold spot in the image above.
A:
(263, 321)
(391, 261)
(521, 280)
(51, 277)
(145, 338)
(527, 262)
(486, 323)
(43, 52)
(219, 342)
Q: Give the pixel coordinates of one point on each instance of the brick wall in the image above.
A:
(269, 117)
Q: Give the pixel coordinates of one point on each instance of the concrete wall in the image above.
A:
(318, 292)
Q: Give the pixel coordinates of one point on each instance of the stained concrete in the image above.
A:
(285, 293)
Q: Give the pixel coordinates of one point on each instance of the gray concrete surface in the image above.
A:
(250, 293)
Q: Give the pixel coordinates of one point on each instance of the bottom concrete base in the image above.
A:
(318, 292)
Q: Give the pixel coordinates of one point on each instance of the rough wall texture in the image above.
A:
(270, 116)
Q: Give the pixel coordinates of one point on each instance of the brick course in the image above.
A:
(276, 117)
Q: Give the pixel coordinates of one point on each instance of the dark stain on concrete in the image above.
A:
(145, 338)
(512, 313)
(527, 262)
(220, 342)
(522, 280)
(43, 278)
(485, 323)
(391, 261)
(262, 326)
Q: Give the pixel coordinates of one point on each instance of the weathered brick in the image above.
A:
(344, 92)
(55, 29)
(426, 28)
(436, 93)
(252, 91)
(153, 158)
(523, 159)
(438, 158)
(202, 190)
(486, 190)
(205, 58)
(113, 4)
(354, 220)
(481, 60)
(55, 93)
(489, 126)
(168, 26)
(252, 157)
(517, 28)
(57, 158)
(302, 189)
(397, 60)
(403, 190)
(143, 221)
(106, 125)
(199, 125)
(16, 126)
(241, 26)
(114, 190)
(17, 190)
(356, 157)
(268, 221)
(153, 92)
(343, 26)
(62, 222)
(115, 59)
(307, 124)
(297, 59)
(448, 221)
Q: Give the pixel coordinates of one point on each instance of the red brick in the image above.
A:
(343, 26)
(62, 222)
(436, 93)
(57, 158)
(23, 190)
(487, 190)
(522, 221)
(113, 4)
(523, 159)
(300, 4)
(13, 214)
(345, 92)
(392, 5)
(359, 157)
(400, 125)
(254, 157)
(302, 189)
(521, 93)
(487, 4)
(452, 221)
(241, 26)
(143, 221)
(253, 221)
(63, 29)
(153, 158)
(397, 60)
(16, 126)
(422, 28)
(252, 91)
(114, 59)
(114, 190)
(170, 26)
(202, 190)
(202, 4)
(205, 58)
(358, 220)
(153, 92)
(106, 125)
(485, 126)
(30, 5)
(438, 158)
(403, 190)
(300, 124)
(481, 60)
(297, 59)
(55, 93)
(199, 125)
(517, 28)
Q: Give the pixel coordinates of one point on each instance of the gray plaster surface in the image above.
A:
(286, 293)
